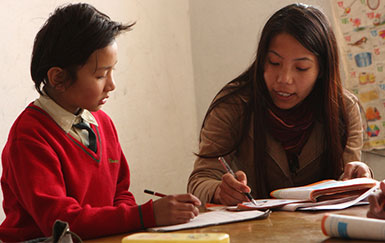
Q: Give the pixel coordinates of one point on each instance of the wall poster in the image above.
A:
(360, 31)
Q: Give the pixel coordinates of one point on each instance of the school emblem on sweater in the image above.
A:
(112, 161)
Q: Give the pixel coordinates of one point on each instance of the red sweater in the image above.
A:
(49, 175)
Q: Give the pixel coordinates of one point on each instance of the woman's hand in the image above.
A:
(176, 209)
(356, 169)
(377, 201)
(230, 191)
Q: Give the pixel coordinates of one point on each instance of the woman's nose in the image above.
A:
(285, 76)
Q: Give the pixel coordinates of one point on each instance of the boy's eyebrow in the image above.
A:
(107, 67)
(296, 59)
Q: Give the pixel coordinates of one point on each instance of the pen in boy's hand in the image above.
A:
(228, 169)
(154, 193)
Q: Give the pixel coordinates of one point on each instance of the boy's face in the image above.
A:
(94, 81)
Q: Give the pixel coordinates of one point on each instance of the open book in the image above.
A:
(326, 190)
(323, 195)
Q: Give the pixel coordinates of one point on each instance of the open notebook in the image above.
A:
(322, 195)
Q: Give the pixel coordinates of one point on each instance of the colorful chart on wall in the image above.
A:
(360, 30)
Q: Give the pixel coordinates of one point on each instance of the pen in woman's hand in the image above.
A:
(228, 169)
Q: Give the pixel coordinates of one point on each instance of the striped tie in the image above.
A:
(91, 135)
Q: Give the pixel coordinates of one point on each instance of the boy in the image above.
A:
(63, 159)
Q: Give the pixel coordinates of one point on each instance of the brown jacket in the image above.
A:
(220, 129)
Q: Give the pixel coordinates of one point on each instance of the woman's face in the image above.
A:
(290, 71)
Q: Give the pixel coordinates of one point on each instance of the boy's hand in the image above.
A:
(377, 201)
(176, 209)
(230, 191)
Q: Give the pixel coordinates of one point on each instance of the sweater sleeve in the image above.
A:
(219, 133)
(354, 141)
(33, 171)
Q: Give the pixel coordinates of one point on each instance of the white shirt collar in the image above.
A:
(62, 117)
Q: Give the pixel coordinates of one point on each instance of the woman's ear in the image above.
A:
(57, 78)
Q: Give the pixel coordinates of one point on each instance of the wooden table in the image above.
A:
(280, 226)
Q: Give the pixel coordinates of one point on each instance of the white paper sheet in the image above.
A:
(262, 204)
(215, 218)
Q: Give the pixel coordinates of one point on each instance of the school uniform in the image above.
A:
(50, 173)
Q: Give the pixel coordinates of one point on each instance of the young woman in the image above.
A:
(286, 121)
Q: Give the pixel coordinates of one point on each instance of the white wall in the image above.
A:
(153, 106)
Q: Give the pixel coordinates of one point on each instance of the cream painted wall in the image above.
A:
(153, 106)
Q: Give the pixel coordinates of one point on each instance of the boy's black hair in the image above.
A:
(67, 39)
